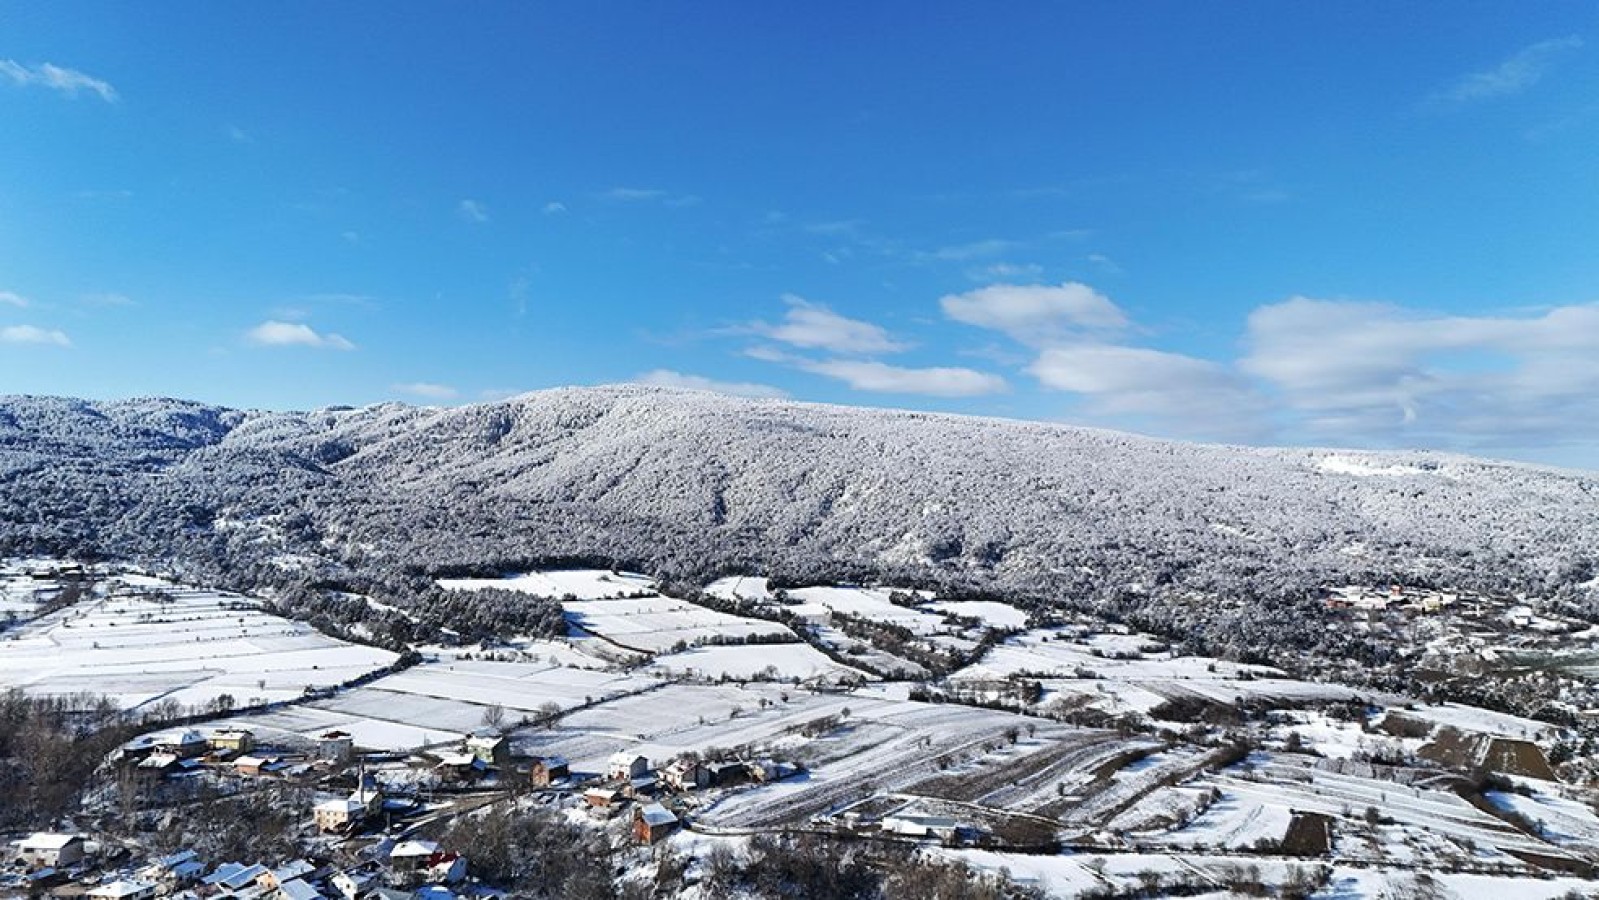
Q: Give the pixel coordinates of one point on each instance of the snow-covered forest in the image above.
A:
(690, 486)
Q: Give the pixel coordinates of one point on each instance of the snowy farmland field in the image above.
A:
(771, 661)
(658, 624)
(582, 584)
(142, 639)
(442, 699)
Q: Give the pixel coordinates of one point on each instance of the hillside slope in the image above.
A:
(692, 485)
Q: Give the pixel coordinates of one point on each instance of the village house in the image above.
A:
(174, 871)
(335, 746)
(259, 765)
(297, 889)
(603, 798)
(625, 766)
(352, 883)
(943, 828)
(346, 813)
(232, 878)
(490, 746)
(547, 770)
(460, 768)
(157, 766)
(412, 856)
(446, 868)
(652, 822)
(272, 879)
(124, 890)
(232, 740)
(643, 786)
(723, 774)
(686, 775)
(182, 744)
(53, 850)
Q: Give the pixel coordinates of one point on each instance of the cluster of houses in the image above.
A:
(1394, 597)
(61, 865)
(170, 754)
(630, 779)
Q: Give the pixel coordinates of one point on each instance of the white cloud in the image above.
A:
(67, 81)
(239, 135)
(554, 207)
(274, 333)
(351, 237)
(866, 375)
(1522, 70)
(472, 211)
(813, 326)
(8, 298)
(1176, 393)
(32, 334)
(427, 390)
(1370, 371)
(1036, 314)
(672, 379)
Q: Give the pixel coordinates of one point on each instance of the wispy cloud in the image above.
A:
(1106, 264)
(32, 334)
(427, 390)
(57, 78)
(815, 327)
(273, 333)
(983, 249)
(881, 378)
(1523, 69)
(554, 208)
(238, 135)
(1004, 271)
(673, 379)
(472, 211)
(9, 298)
(649, 195)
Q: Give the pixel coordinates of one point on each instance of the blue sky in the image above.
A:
(1364, 224)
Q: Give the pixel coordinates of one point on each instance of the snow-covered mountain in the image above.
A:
(693, 485)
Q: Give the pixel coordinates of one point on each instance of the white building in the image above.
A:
(627, 766)
(46, 848)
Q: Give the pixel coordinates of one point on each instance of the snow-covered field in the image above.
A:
(769, 661)
(868, 603)
(443, 699)
(143, 639)
(992, 613)
(658, 624)
(582, 584)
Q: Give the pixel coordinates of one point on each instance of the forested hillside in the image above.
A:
(1229, 544)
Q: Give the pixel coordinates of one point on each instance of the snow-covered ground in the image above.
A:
(868, 603)
(658, 624)
(992, 613)
(768, 661)
(583, 584)
(142, 639)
